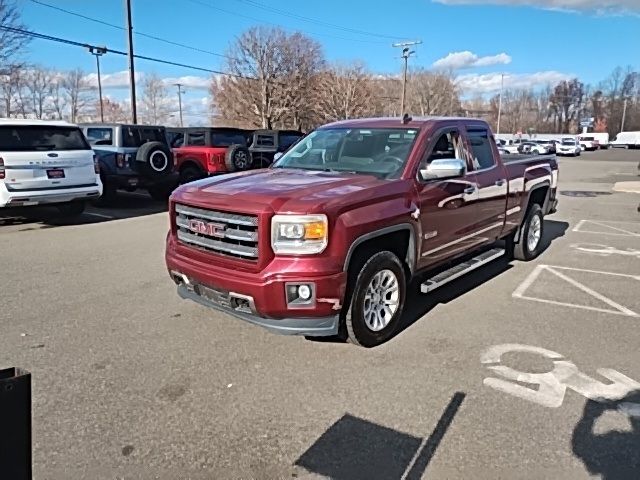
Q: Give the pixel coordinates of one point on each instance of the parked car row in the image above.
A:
(66, 165)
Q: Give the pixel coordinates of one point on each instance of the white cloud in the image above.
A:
(190, 81)
(474, 84)
(466, 59)
(121, 80)
(595, 6)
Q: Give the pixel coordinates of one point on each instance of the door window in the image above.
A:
(100, 136)
(481, 151)
(196, 139)
(448, 145)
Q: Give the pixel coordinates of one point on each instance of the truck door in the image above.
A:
(490, 176)
(446, 206)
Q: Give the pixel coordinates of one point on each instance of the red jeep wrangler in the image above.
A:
(204, 151)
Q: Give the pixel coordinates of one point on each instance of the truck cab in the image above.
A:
(326, 241)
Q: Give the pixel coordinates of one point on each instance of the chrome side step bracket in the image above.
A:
(461, 269)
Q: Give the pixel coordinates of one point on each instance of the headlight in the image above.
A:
(299, 234)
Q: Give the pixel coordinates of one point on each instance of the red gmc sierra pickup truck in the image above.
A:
(326, 240)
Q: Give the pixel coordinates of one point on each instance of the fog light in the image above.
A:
(304, 292)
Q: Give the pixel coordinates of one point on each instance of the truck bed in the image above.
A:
(524, 157)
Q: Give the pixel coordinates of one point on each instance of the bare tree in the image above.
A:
(11, 42)
(567, 101)
(155, 100)
(77, 91)
(114, 111)
(432, 93)
(272, 75)
(345, 92)
(39, 85)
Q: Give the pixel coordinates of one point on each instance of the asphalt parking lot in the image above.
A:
(130, 382)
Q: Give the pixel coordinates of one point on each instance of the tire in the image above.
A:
(190, 174)
(109, 193)
(71, 209)
(157, 159)
(526, 250)
(369, 328)
(160, 193)
(238, 158)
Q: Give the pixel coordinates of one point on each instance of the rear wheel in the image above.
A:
(531, 232)
(377, 301)
(70, 210)
(190, 174)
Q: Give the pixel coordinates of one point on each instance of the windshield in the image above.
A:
(36, 137)
(568, 142)
(382, 152)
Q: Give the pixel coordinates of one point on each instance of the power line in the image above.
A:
(119, 27)
(318, 22)
(230, 12)
(43, 36)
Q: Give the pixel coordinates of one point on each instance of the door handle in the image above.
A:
(470, 190)
(500, 182)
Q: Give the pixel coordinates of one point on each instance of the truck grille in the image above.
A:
(229, 234)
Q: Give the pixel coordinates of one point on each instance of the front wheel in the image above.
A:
(529, 244)
(377, 301)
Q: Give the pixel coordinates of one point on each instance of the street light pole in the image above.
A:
(624, 115)
(132, 74)
(98, 52)
(180, 92)
(406, 53)
(500, 102)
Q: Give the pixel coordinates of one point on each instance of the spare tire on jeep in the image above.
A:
(238, 158)
(156, 157)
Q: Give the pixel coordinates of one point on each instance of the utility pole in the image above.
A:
(180, 92)
(406, 53)
(132, 73)
(624, 115)
(500, 102)
(98, 52)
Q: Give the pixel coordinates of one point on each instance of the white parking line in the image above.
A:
(617, 309)
(99, 215)
(613, 230)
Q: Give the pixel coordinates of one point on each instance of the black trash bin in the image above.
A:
(15, 424)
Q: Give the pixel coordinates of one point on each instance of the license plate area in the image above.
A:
(216, 296)
(55, 173)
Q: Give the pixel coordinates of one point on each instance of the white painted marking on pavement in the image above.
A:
(577, 227)
(618, 309)
(604, 250)
(552, 385)
(99, 215)
(603, 223)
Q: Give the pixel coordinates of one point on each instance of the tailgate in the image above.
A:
(42, 157)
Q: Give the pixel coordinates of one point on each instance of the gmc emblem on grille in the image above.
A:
(207, 228)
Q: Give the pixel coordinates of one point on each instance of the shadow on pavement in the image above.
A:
(614, 454)
(353, 448)
(125, 205)
(418, 304)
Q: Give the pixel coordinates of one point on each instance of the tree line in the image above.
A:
(275, 79)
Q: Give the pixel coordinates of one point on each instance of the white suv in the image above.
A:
(46, 162)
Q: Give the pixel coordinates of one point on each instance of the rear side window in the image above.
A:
(481, 148)
(196, 139)
(175, 139)
(226, 139)
(100, 136)
(134, 137)
(265, 141)
(36, 137)
(288, 139)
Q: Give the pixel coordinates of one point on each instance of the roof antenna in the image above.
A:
(406, 118)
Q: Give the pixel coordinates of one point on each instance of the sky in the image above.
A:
(533, 43)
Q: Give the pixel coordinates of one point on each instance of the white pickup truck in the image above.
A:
(46, 162)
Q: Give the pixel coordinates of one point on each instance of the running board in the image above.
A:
(460, 269)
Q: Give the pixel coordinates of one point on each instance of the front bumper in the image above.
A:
(22, 198)
(313, 327)
(262, 294)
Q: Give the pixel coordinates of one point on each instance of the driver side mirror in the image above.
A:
(443, 168)
(277, 156)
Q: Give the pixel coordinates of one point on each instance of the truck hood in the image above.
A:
(283, 190)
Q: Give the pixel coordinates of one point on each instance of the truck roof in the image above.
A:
(395, 122)
(35, 122)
